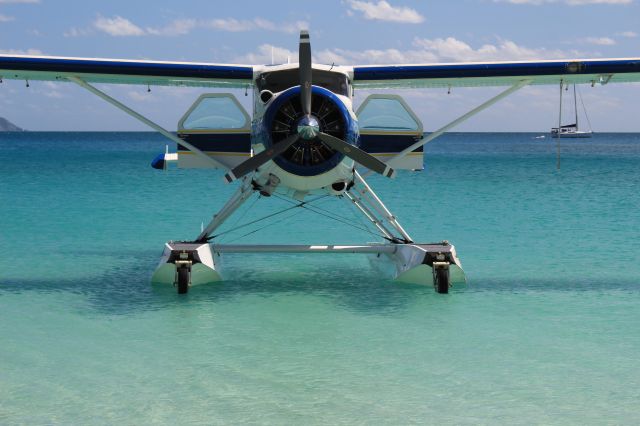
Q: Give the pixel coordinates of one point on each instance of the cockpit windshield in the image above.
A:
(277, 81)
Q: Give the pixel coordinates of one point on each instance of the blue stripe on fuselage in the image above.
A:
(219, 142)
(374, 144)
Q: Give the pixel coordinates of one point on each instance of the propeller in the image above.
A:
(308, 128)
(357, 155)
(304, 54)
(258, 160)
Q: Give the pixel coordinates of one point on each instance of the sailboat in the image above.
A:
(572, 130)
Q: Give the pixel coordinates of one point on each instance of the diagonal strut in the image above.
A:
(80, 82)
(519, 85)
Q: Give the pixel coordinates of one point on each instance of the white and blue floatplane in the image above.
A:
(305, 140)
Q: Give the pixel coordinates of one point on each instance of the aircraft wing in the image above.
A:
(96, 70)
(479, 74)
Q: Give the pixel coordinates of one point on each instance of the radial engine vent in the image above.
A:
(308, 152)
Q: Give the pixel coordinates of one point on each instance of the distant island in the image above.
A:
(7, 126)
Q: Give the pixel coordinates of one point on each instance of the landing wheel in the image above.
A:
(183, 280)
(441, 280)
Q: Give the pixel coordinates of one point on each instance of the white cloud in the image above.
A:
(383, 11)
(78, 32)
(375, 56)
(628, 34)
(139, 96)
(263, 55)
(235, 25)
(175, 28)
(452, 49)
(229, 24)
(569, 2)
(185, 26)
(21, 52)
(54, 90)
(5, 18)
(118, 26)
(599, 41)
(423, 50)
(288, 27)
(54, 94)
(158, 95)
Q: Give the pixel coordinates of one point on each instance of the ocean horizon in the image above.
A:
(545, 331)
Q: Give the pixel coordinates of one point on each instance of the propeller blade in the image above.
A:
(258, 160)
(358, 155)
(304, 55)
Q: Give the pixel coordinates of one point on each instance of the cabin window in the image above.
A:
(215, 112)
(387, 113)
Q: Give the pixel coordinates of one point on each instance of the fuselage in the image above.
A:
(309, 165)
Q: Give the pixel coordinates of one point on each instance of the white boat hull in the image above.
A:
(572, 135)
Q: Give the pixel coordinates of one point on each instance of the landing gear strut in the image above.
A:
(441, 277)
(190, 263)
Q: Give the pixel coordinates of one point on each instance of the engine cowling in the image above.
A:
(309, 156)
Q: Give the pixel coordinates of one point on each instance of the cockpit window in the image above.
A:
(277, 81)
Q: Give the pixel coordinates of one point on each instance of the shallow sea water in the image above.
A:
(547, 331)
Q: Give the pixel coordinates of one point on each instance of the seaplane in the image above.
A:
(305, 140)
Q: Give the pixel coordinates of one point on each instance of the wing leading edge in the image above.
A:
(95, 70)
(592, 71)
(116, 71)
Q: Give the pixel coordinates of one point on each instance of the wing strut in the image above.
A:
(455, 122)
(80, 82)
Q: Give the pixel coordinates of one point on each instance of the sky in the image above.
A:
(348, 32)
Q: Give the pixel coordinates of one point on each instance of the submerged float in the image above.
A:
(185, 264)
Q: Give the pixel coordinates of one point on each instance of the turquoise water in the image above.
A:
(546, 332)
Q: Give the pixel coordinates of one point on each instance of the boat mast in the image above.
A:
(559, 129)
(575, 104)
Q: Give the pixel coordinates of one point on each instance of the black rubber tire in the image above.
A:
(183, 280)
(441, 277)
